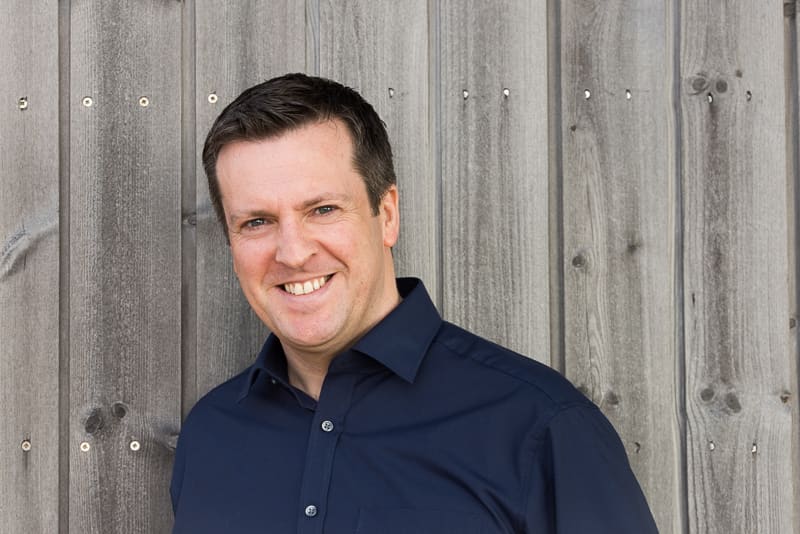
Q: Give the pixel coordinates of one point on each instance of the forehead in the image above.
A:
(330, 138)
(298, 163)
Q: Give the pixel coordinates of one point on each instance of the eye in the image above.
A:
(324, 210)
(254, 223)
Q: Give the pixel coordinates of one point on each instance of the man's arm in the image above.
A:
(582, 481)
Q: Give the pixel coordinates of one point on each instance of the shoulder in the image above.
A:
(216, 402)
(508, 369)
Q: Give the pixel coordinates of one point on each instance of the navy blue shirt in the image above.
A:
(421, 427)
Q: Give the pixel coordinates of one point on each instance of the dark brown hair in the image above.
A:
(277, 106)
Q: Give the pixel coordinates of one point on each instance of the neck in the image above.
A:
(307, 372)
(307, 369)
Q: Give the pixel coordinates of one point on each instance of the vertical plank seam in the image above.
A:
(435, 138)
(63, 265)
(188, 210)
(556, 189)
(312, 36)
(678, 281)
(793, 183)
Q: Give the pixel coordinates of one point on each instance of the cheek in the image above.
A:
(249, 258)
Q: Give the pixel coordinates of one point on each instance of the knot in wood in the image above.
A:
(119, 410)
(699, 83)
(612, 399)
(579, 261)
(732, 402)
(94, 422)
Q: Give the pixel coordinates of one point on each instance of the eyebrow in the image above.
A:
(260, 214)
(324, 197)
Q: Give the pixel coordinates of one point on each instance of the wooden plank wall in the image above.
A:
(29, 268)
(609, 187)
(124, 263)
(734, 183)
(619, 197)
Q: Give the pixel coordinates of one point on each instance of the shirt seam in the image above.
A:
(536, 438)
(537, 387)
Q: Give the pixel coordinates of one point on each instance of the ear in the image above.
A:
(390, 212)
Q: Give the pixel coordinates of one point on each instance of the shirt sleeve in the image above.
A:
(582, 481)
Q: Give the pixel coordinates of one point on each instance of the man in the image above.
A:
(364, 411)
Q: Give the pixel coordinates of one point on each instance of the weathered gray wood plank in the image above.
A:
(739, 431)
(29, 267)
(493, 132)
(380, 48)
(125, 283)
(792, 47)
(619, 226)
(238, 45)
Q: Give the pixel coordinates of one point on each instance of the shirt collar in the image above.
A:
(402, 338)
(399, 341)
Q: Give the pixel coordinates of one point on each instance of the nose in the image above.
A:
(294, 246)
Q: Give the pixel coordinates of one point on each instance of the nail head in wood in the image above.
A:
(135, 445)
(587, 94)
(26, 445)
(506, 92)
(144, 101)
(711, 446)
(391, 92)
(23, 103)
(465, 93)
(85, 446)
(87, 101)
(212, 98)
(628, 94)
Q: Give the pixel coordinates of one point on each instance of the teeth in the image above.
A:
(304, 288)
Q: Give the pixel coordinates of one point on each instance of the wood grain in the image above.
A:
(29, 267)
(676, 215)
(238, 45)
(125, 271)
(494, 206)
(619, 232)
(739, 432)
(792, 56)
(380, 48)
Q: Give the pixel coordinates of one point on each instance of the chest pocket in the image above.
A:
(419, 521)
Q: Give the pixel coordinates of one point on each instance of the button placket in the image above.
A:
(327, 425)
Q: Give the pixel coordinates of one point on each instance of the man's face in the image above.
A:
(312, 259)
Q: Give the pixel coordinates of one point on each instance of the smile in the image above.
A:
(304, 288)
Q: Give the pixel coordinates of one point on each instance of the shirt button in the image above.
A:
(311, 510)
(327, 426)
